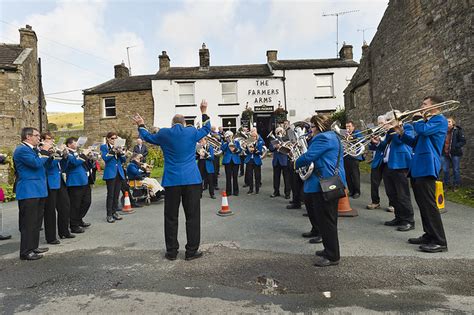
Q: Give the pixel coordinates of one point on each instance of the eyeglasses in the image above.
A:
(113, 138)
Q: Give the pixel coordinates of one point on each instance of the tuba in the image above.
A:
(298, 146)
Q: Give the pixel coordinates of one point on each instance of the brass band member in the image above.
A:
(351, 164)
(280, 165)
(205, 157)
(253, 161)
(323, 152)
(424, 170)
(217, 159)
(231, 161)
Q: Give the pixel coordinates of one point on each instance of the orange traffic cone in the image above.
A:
(225, 209)
(344, 208)
(127, 206)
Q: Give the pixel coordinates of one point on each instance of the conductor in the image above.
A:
(181, 179)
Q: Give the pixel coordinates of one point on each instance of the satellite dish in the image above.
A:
(29, 99)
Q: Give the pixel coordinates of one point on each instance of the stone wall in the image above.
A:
(4, 172)
(422, 47)
(127, 104)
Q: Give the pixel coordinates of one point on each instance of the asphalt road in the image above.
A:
(255, 262)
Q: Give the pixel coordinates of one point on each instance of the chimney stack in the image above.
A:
(272, 55)
(204, 59)
(346, 52)
(121, 71)
(365, 49)
(28, 37)
(164, 62)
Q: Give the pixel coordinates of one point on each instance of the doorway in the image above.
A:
(264, 126)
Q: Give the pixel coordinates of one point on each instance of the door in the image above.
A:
(264, 126)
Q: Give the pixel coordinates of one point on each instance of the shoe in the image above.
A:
(316, 240)
(394, 222)
(67, 236)
(171, 256)
(433, 248)
(250, 192)
(291, 202)
(275, 195)
(287, 196)
(390, 209)
(406, 227)
(117, 216)
(55, 242)
(293, 206)
(245, 186)
(195, 255)
(40, 250)
(31, 256)
(213, 197)
(418, 240)
(305, 214)
(321, 253)
(84, 224)
(373, 206)
(136, 205)
(110, 219)
(236, 194)
(256, 192)
(324, 262)
(216, 188)
(355, 196)
(309, 234)
(77, 229)
(5, 237)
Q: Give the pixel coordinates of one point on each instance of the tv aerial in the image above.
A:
(337, 14)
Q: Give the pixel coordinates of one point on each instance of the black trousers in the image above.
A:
(424, 191)
(296, 187)
(30, 219)
(398, 193)
(114, 187)
(277, 171)
(311, 214)
(58, 200)
(217, 166)
(190, 196)
(253, 172)
(242, 165)
(80, 199)
(325, 213)
(375, 180)
(351, 167)
(208, 180)
(231, 178)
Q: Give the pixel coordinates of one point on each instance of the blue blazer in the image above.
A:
(179, 149)
(378, 155)
(53, 174)
(257, 155)
(134, 172)
(400, 154)
(322, 151)
(228, 155)
(113, 163)
(210, 161)
(76, 172)
(428, 146)
(278, 158)
(30, 173)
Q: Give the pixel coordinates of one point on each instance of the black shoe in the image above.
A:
(171, 256)
(275, 195)
(291, 202)
(55, 242)
(293, 206)
(136, 205)
(5, 237)
(355, 196)
(316, 240)
(195, 255)
(433, 248)
(117, 216)
(67, 236)
(77, 229)
(406, 227)
(418, 240)
(245, 186)
(250, 192)
(287, 196)
(321, 253)
(394, 222)
(110, 219)
(256, 191)
(216, 188)
(305, 214)
(31, 256)
(213, 197)
(309, 234)
(40, 250)
(324, 262)
(84, 224)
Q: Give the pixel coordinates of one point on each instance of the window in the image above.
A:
(230, 123)
(324, 85)
(189, 120)
(229, 92)
(109, 107)
(186, 93)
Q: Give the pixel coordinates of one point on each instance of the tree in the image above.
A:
(52, 127)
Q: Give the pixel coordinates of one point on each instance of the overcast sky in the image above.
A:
(80, 41)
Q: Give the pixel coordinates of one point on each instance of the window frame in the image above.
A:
(331, 74)
(223, 103)
(229, 117)
(182, 104)
(104, 108)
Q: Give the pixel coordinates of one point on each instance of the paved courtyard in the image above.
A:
(255, 261)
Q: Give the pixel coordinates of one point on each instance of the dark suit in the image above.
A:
(143, 150)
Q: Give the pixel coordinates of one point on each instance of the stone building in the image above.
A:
(20, 97)
(299, 87)
(421, 47)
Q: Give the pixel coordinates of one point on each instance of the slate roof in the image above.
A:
(133, 83)
(8, 54)
(216, 72)
(312, 64)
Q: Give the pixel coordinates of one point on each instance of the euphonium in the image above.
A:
(299, 145)
(215, 144)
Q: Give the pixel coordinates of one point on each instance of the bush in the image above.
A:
(52, 127)
(155, 154)
(127, 136)
(8, 191)
(341, 116)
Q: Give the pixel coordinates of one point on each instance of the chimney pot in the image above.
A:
(164, 62)
(272, 55)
